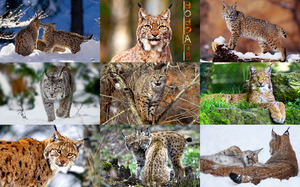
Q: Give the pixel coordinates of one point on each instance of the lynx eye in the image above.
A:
(58, 151)
(161, 27)
(147, 26)
(70, 154)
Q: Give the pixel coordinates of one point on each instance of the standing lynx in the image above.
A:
(149, 89)
(29, 162)
(153, 37)
(59, 38)
(57, 84)
(26, 39)
(260, 92)
(267, 34)
(282, 164)
(233, 156)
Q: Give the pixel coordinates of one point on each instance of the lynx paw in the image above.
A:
(61, 114)
(235, 177)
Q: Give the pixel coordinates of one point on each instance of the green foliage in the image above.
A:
(292, 112)
(106, 166)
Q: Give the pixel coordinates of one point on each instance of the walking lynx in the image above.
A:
(26, 39)
(153, 37)
(282, 164)
(260, 92)
(267, 34)
(62, 39)
(233, 156)
(57, 84)
(29, 162)
(148, 92)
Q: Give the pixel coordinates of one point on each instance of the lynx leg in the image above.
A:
(276, 44)
(140, 165)
(233, 40)
(264, 47)
(275, 111)
(49, 107)
(152, 112)
(178, 169)
(64, 107)
(75, 49)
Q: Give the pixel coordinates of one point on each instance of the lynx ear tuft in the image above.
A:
(139, 4)
(234, 6)
(252, 69)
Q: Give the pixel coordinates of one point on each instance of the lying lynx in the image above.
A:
(26, 39)
(59, 38)
(153, 37)
(267, 34)
(29, 162)
(176, 144)
(156, 172)
(149, 89)
(260, 92)
(57, 84)
(233, 156)
(282, 164)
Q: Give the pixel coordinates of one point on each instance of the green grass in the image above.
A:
(292, 112)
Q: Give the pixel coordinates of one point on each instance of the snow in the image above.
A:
(293, 58)
(90, 52)
(220, 40)
(217, 138)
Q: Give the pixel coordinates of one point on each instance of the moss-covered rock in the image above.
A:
(286, 86)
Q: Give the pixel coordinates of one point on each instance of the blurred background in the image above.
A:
(285, 13)
(85, 169)
(80, 16)
(119, 22)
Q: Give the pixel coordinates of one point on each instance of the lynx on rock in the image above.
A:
(57, 84)
(153, 37)
(267, 34)
(29, 162)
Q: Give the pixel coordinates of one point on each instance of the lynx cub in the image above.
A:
(57, 84)
(41, 45)
(267, 34)
(26, 39)
(148, 92)
(176, 145)
(59, 38)
(233, 156)
(153, 37)
(282, 164)
(29, 162)
(156, 167)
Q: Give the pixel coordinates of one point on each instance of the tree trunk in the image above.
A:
(77, 17)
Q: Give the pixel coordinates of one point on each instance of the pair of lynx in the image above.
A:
(151, 151)
(282, 164)
(29, 162)
(260, 92)
(53, 40)
(267, 34)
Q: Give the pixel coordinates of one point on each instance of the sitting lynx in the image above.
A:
(260, 92)
(148, 92)
(26, 39)
(29, 162)
(59, 38)
(282, 164)
(233, 156)
(156, 167)
(153, 37)
(267, 34)
(176, 145)
(57, 84)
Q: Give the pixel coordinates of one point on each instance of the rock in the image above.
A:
(286, 86)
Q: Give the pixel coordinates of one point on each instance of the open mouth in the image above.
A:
(158, 84)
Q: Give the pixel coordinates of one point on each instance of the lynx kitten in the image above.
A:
(59, 38)
(148, 92)
(26, 39)
(57, 84)
(267, 34)
(153, 37)
(29, 162)
(282, 164)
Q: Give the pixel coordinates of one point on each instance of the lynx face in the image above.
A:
(158, 79)
(54, 87)
(250, 158)
(229, 12)
(154, 32)
(260, 79)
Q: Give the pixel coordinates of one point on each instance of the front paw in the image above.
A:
(278, 118)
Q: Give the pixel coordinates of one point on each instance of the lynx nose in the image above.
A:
(155, 34)
(61, 163)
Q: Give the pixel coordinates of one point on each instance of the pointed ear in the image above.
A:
(274, 135)
(56, 136)
(287, 132)
(234, 6)
(123, 135)
(224, 5)
(166, 14)
(79, 144)
(268, 70)
(143, 13)
(164, 69)
(258, 151)
(252, 69)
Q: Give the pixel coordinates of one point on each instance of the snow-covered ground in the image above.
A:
(215, 138)
(90, 52)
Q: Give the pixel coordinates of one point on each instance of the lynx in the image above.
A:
(233, 156)
(41, 45)
(59, 38)
(282, 164)
(148, 92)
(29, 162)
(267, 34)
(260, 92)
(57, 84)
(176, 145)
(153, 37)
(156, 167)
(26, 39)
